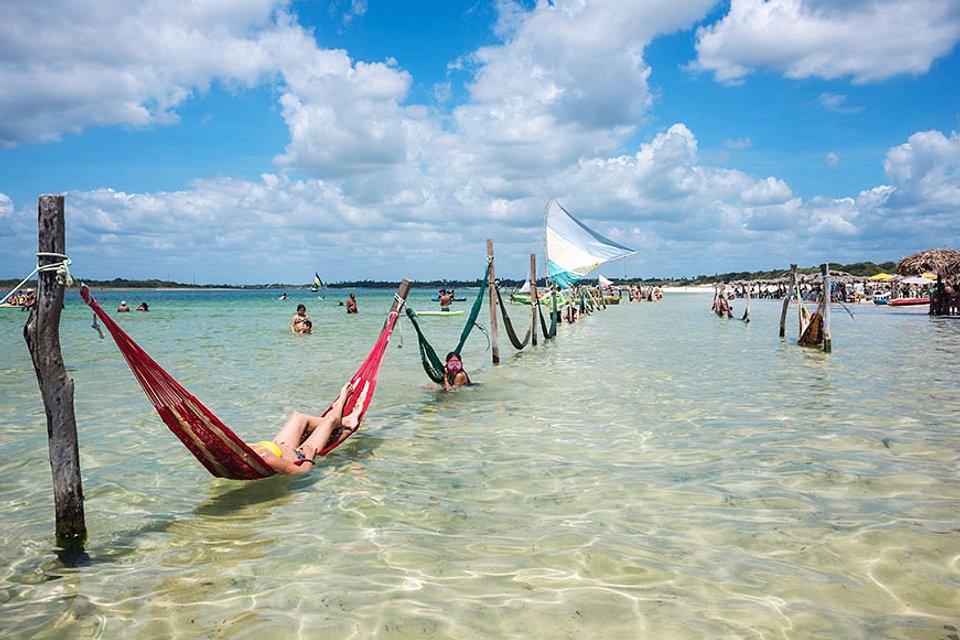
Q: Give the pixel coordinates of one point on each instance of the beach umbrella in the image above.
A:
(931, 276)
(917, 280)
(881, 277)
(942, 262)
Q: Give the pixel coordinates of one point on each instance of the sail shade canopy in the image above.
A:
(574, 249)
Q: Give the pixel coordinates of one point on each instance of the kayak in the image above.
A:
(440, 313)
(437, 299)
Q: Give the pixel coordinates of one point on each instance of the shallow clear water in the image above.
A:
(653, 472)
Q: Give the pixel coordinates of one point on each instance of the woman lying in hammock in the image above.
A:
(302, 436)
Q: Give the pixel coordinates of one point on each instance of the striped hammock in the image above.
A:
(218, 448)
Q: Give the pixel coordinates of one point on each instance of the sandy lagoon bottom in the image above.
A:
(653, 472)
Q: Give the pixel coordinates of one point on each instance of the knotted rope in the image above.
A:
(62, 268)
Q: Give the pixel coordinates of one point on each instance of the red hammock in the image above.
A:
(218, 448)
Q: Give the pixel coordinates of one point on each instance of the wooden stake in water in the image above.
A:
(786, 300)
(494, 340)
(828, 298)
(533, 299)
(42, 334)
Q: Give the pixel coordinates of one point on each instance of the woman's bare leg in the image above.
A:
(293, 432)
(320, 433)
(293, 429)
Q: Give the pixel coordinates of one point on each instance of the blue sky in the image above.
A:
(253, 141)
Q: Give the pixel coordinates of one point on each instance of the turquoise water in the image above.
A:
(653, 472)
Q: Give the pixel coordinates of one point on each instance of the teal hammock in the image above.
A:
(433, 366)
(517, 343)
(550, 333)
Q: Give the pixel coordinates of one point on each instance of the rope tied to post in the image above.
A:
(62, 268)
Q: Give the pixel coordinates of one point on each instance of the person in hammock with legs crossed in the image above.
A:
(295, 446)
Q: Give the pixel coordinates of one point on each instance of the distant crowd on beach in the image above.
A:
(943, 295)
(851, 292)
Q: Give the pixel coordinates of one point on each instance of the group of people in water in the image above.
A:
(302, 324)
(124, 308)
(295, 447)
(25, 298)
(293, 450)
(454, 374)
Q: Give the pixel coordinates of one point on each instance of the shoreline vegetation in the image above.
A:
(860, 269)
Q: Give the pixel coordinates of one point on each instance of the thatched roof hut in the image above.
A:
(836, 276)
(943, 262)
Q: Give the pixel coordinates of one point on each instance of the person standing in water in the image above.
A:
(300, 323)
(352, 303)
(445, 299)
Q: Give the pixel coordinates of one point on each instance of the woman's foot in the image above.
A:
(337, 407)
(351, 421)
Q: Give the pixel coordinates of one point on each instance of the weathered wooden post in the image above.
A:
(494, 340)
(746, 311)
(786, 300)
(827, 299)
(403, 290)
(42, 334)
(533, 299)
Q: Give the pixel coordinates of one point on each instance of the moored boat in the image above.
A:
(545, 298)
(908, 302)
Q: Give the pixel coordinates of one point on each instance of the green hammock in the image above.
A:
(432, 364)
(550, 333)
(518, 344)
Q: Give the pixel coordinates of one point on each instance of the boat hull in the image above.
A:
(545, 299)
(440, 313)
(908, 302)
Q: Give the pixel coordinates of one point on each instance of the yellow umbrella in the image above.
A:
(932, 276)
(882, 276)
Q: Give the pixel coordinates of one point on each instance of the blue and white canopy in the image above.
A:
(574, 249)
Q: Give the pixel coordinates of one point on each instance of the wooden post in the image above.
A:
(786, 300)
(827, 299)
(533, 299)
(42, 334)
(746, 312)
(494, 340)
(402, 291)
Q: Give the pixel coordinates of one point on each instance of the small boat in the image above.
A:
(611, 299)
(908, 302)
(881, 300)
(545, 298)
(437, 299)
(458, 312)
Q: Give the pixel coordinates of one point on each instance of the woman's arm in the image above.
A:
(279, 465)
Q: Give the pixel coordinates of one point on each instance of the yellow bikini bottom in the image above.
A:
(271, 447)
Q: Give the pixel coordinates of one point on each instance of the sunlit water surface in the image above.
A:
(654, 472)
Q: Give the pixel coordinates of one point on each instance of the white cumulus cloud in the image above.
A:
(866, 40)
(67, 66)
